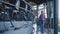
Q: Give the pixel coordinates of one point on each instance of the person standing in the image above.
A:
(41, 21)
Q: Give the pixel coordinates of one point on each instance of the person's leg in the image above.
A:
(42, 27)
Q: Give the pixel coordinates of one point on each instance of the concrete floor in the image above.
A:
(38, 30)
(24, 30)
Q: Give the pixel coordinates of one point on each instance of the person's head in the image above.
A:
(42, 12)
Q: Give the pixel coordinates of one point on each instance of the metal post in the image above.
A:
(48, 16)
(10, 16)
(37, 18)
(55, 16)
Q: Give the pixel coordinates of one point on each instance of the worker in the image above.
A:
(41, 21)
